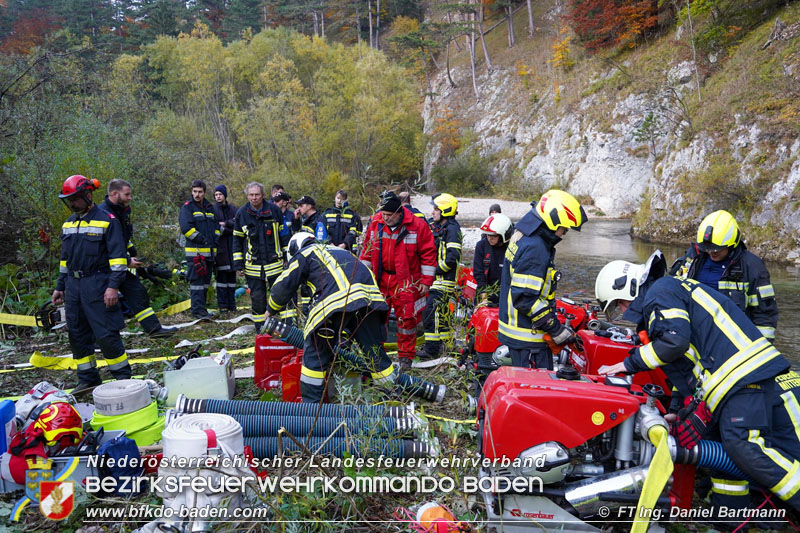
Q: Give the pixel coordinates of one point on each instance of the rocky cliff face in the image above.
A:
(636, 155)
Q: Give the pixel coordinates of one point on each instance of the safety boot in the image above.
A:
(88, 379)
(162, 333)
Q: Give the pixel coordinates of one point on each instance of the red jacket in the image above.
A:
(408, 252)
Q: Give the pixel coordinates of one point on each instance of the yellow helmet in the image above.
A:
(446, 203)
(559, 209)
(718, 230)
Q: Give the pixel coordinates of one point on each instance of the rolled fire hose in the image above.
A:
(121, 397)
(189, 435)
(283, 409)
(405, 383)
(658, 474)
(396, 448)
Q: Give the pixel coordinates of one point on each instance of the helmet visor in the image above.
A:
(710, 247)
(612, 310)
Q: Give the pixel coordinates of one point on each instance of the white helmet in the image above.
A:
(498, 224)
(298, 241)
(621, 280)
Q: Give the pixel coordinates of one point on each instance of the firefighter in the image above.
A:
(528, 283)
(487, 264)
(721, 260)
(307, 218)
(258, 249)
(93, 266)
(224, 272)
(282, 199)
(342, 223)
(400, 250)
(735, 379)
(118, 203)
(494, 209)
(405, 199)
(447, 237)
(346, 299)
(199, 225)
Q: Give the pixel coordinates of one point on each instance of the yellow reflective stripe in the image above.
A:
(454, 245)
(526, 281)
(521, 334)
(734, 369)
(785, 464)
(237, 233)
(331, 264)
(669, 314)
(767, 331)
(237, 256)
(790, 484)
(191, 232)
(383, 373)
(304, 370)
(197, 250)
(721, 318)
(732, 285)
(85, 362)
(649, 356)
(119, 261)
(141, 315)
(766, 291)
(117, 360)
(793, 410)
(732, 487)
(339, 300)
(752, 300)
(272, 305)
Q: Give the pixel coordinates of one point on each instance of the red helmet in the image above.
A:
(59, 422)
(78, 184)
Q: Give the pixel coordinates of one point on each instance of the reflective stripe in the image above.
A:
(527, 281)
(366, 263)
(190, 233)
(766, 291)
(237, 256)
(62, 267)
(117, 362)
(454, 245)
(237, 233)
(790, 484)
(411, 238)
(731, 487)
(793, 410)
(428, 270)
(721, 318)
(752, 300)
(288, 313)
(669, 314)
(767, 331)
(85, 363)
(118, 264)
(339, 300)
(312, 377)
(520, 334)
(198, 287)
(732, 286)
(755, 437)
(272, 305)
(742, 363)
(402, 331)
(384, 375)
(141, 315)
(259, 318)
(193, 252)
(649, 356)
(420, 304)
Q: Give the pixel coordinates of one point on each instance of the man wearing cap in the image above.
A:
(224, 272)
(306, 217)
(400, 250)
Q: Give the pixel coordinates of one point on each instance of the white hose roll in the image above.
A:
(186, 436)
(121, 397)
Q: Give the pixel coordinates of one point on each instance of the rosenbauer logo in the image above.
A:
(520, 513)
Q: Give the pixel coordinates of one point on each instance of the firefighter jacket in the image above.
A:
(705, 344)
(226, 213)
(123, 214)
(199, 224)
(308, 223)
(257, 242)
(407, 252)
(92, 244)
(447, 237)
(416, 212)
(338, 282)
(342, 226)
(487, 265)
(528, 285)
(745, 280)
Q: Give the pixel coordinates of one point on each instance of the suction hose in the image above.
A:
(405, 383)
(709, 454)
(287, 409)
(395, 448)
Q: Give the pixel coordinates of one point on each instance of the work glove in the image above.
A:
(692, 423)
(565, 336)
(200, 267)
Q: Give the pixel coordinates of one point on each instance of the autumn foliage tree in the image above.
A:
(611, 23)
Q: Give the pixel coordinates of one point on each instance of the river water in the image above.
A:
(580, 256)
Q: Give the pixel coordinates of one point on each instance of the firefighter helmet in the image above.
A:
(498, 224)
(621, 280)
(299, 241)
(78, 184)
(59, 422)
(446, 203)
(559, 209)
(718, 230)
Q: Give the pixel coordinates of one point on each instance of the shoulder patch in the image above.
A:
(187, 202)
(110, 215)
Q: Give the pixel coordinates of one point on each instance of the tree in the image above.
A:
(610, 23)
(242, 14)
